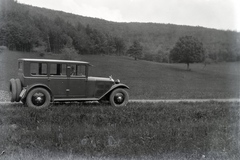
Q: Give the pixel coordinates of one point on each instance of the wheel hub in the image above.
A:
(119, 98)
(38, 99)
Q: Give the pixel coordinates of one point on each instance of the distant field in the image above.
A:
(150, 80)
(139, 131)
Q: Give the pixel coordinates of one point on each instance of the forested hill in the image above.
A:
(28, 28)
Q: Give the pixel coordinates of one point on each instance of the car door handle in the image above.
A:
(67, 90)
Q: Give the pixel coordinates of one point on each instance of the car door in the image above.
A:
(58, 80)
(77, 81)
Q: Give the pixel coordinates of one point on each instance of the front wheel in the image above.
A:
(38, 98)
(119, 97)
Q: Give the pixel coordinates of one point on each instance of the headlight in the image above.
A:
(117, 81)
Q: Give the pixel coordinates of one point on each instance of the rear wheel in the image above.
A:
(119, 97)
(38, 98)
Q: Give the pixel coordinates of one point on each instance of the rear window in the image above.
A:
(20, 65)
(38, 69)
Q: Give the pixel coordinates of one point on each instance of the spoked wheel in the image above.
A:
(38, 98)
(119, 97)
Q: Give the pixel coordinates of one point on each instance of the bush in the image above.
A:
(39, 49)
(69, 54)
(2, 48)
(41, 54)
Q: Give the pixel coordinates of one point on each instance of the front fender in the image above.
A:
(27, 89)
(113, 88)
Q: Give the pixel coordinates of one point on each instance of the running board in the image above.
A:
(76, 99)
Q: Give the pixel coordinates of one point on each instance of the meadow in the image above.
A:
(138, 131)
(148, 80)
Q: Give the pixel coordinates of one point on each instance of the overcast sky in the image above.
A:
(219, 14)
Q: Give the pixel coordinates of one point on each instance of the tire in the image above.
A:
(13, 90)
(38, 98)
(19, 89)
(119, 97)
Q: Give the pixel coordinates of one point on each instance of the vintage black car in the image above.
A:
(42, 81)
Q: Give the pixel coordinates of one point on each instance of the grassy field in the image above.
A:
(149, 80)
(139, 131)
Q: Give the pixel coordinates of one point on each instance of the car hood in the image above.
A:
(103, 79)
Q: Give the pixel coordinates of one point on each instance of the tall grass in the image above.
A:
(190, 130)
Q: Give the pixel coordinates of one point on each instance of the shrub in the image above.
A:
(41, 54)
(69, 54)
(2, 48)
(39, 49)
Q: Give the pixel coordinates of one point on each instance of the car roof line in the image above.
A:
(52, 60)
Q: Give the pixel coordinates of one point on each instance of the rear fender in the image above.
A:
(29, 88)
(115, 86)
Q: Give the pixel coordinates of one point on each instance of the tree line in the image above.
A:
(28, 28)
(21, 31)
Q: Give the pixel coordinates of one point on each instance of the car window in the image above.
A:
(39, 69)
(81, 70)
(20, 65)
(77, 70)
(63, 69)
(58, 69)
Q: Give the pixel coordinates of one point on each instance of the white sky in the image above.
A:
(219, 14)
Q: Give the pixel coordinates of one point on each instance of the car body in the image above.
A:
(42, 81)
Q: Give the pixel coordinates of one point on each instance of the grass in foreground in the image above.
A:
(168, 131)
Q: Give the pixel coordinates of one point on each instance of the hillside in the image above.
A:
(156, 38)
(97, 36)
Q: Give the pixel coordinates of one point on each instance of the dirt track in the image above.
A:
(184, 100)
(164, 100)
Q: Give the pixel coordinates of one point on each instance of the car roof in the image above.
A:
(53, 61)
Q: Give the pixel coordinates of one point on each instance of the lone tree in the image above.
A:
(187, 50)
(135, 50)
